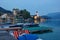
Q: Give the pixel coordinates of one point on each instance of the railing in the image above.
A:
(10, 29)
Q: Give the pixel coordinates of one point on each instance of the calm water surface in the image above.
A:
(55, 35)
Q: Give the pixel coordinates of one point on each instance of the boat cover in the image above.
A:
(28, 37)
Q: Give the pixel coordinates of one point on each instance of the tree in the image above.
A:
(25, 14)
(0, 13)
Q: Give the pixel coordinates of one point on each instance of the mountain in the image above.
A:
(45, 17)
(55, 15)
(2, 10)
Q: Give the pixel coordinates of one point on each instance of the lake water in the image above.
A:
(55, 35)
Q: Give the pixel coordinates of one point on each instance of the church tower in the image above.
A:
(36, 13)
(36, 17)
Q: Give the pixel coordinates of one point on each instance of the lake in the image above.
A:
(55, 35)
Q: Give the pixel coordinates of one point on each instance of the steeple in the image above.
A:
(37, 13)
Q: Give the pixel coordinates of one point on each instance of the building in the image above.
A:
(15, 11)
(18, 17)
(36, 17)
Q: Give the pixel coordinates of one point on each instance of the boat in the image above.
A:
(17, 25)
(31, 24)
(24, 25)
(38, 29)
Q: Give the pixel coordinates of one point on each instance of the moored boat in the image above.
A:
(31, 24)
(17, 25)
(38, 29)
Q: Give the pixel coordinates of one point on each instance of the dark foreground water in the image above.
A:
(55, 35)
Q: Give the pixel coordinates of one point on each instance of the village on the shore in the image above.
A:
(19, 16)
